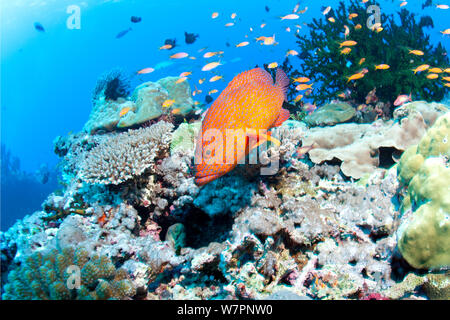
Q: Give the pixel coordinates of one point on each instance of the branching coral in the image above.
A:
(67, 274)
(329, 69)
(123, 156)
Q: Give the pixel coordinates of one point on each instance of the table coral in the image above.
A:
(125, 155)
(358, 146)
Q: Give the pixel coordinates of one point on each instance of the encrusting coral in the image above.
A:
(144, 104)
(67, 274)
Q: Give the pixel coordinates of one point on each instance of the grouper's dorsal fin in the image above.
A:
(257, 75)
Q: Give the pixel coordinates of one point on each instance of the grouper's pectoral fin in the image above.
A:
(282, 117)
(261, 138)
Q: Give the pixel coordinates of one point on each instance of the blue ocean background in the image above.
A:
(47, 77)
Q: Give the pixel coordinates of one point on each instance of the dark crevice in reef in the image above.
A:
(334, 162)
(202, 229)
(401, 268)
(144, 214)
(386, 156)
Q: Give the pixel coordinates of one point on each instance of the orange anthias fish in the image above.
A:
(291, 16)
(251, 103)
(179, 55)
(124, 111)
(145, 71)
(401, 99)
(346, 50)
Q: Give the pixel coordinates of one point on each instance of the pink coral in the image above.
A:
(374, 296)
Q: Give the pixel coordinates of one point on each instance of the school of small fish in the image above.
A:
(347, 48)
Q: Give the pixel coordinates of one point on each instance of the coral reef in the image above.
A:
(425, 232)
(324, 63)
(132, 219)
(224, 195)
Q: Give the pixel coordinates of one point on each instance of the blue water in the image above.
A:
(47, 77)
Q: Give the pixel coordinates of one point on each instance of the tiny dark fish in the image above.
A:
(39, 27)
(172, 42)
(136, 19)
(267, 9)
(427, 3)
(190, 37)
(227, 44)
(303, 55)
(43, 174)
(122, 33)
(208, 99)
(426, 21)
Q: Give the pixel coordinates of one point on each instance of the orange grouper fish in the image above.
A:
(237, 122)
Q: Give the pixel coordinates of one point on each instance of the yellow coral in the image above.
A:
(425, 237)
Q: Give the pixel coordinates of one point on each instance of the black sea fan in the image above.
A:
(113, 84)
(324, 62)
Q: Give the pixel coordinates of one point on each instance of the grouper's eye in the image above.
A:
(209, 153)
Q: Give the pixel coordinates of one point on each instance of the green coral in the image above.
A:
(50, 276)
(330, 114)
(329, 70)
(425, 237)
(407, 286)
(183, 138)
(176, 236)
(437, 286)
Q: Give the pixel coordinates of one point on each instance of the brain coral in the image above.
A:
(48, 277)
(122, 156)
(425, 235)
